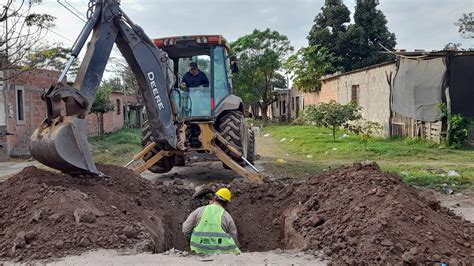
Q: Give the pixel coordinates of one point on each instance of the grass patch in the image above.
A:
(419, 162)
(116, 148)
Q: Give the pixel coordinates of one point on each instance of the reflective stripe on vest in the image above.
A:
(209, 247)
(208, 236)
(212, 234)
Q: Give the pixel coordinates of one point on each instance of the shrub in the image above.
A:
(332, 115)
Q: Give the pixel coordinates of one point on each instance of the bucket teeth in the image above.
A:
(62, 145)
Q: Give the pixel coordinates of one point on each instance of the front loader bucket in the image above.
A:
(63, 145)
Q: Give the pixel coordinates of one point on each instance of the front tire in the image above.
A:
(232, 127)
(166, 163)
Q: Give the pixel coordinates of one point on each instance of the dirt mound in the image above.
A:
(44, 214)
(360, 214)
(355, 214)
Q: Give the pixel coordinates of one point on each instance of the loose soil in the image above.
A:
(352, 215)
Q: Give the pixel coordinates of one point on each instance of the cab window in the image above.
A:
(203, 62)
(221, 75)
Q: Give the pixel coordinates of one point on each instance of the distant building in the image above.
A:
(368, 87)
(288, 103)
(404, 96)
(22, 110)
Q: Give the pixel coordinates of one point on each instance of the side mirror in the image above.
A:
(234, 68)
(233, 64)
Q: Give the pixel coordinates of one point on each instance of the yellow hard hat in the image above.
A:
(224, 194)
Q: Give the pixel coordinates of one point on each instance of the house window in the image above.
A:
(355, 94)
(118, 107)
(283, 105)
(20, 105)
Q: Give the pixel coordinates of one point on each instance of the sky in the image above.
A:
(418, 24)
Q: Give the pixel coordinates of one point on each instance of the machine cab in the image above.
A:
(198, 100)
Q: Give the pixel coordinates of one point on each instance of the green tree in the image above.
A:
(466, 25)
(261, 55)
(20, 32)
(308, 65)
(102, 105)
(330, 28)
(366, 36)
(52, 57)
(331, 115)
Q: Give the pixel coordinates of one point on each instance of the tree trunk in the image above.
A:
(264, 113)
(100, 120)
(98, 123)
(334, 133)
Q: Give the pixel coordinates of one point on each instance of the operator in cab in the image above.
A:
(211, 229)
(194, 77)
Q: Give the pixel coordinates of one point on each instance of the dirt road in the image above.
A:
(251, 258)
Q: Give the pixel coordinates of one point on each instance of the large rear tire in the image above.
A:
(232, 127)
(166, 163)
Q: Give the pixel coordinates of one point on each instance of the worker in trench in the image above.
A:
(211, 229)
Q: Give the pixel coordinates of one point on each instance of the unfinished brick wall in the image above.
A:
(32, 84)
(113, 120)
(22, 124)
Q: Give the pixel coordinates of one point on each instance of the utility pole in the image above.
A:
(288, 99)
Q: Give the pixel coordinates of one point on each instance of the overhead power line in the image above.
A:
(72, 12)
(62, 36)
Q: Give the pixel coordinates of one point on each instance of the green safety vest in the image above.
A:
(209, 237)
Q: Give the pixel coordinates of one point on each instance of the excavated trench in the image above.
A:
(354, 214)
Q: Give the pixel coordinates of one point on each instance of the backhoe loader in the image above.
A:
(178, 119)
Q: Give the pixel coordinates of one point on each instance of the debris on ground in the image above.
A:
(452, 173)
(350, 215)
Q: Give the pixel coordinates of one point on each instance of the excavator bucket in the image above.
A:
(62, 144)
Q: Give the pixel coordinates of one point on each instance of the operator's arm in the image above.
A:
(191, 222)
(229, 227)
(204, 80)
(186, 79)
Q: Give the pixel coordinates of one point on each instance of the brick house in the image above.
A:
(22, 110)
(126, 109)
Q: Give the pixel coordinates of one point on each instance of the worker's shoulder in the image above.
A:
(200, 209)
(227, 215)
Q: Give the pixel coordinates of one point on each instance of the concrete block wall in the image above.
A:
(328, 92)
(373, 93)
(372, 88)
